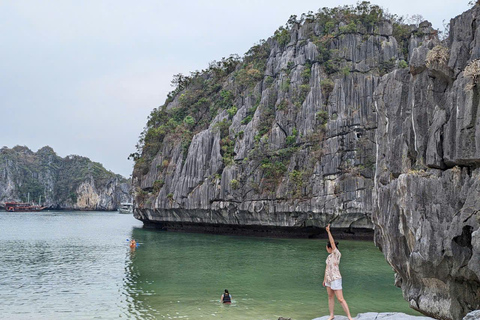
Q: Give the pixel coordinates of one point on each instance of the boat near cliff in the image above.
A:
(126, 208)
(24, 207)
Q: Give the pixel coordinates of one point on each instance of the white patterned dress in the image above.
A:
(332, 271)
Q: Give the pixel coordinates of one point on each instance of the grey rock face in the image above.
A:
(474, 315)
(427, 181)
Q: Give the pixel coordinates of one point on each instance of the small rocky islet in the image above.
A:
(349, 116)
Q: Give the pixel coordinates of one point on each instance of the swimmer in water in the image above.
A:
(133, 244)
(226, 297)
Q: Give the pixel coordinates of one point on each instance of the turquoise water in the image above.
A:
(77, 265)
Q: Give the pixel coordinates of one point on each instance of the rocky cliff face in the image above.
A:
(427, 188)
(73, 182)
(291, 137)
(346, 116)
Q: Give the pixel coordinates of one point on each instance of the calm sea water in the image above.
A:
(77, 265)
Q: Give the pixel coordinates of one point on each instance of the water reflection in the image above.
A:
(136, 307)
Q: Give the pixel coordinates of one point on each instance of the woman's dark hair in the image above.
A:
(330, 246)
(226, 291)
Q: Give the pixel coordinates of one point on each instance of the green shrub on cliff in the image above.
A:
(282, 105)
(322, 48)
(226, 149)
(223, 126)
(327, 86)
(285, 86)
(273, 170)
(297, 179)
(306, 73)
(73, 197)
(402, 33)
(386, 66)
(322, 117)
(250, 112)
(248, 76)
(349, 28)
(157, 185)
(282, 36)
(402, 64)
(234, 184)
(301, 93)
(189, 120)
(258, 55)
(232, 111)
(291, 139)
(226, 98)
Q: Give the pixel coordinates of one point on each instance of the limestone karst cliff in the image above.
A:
(346, 116)
(73, 182)
(427, 181)
(283, 137)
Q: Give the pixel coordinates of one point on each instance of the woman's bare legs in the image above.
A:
(339, 294)
(331, 302)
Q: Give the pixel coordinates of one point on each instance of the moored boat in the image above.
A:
(125, 207)
(21, 206)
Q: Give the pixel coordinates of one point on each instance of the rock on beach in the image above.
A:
(380, 316)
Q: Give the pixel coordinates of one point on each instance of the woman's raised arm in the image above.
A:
(330, 237)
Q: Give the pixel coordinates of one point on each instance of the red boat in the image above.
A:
(18, 206)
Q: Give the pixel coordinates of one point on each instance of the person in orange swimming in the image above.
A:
(226, 297)
(133, 244)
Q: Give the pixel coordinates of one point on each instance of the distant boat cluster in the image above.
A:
(13, 206)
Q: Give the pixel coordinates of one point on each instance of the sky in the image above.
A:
(83, 76)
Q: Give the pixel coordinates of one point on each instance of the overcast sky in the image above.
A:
(82, 76)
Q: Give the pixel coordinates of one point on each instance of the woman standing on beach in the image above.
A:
(333, 278)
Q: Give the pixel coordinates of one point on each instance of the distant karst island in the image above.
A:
(70, 183)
